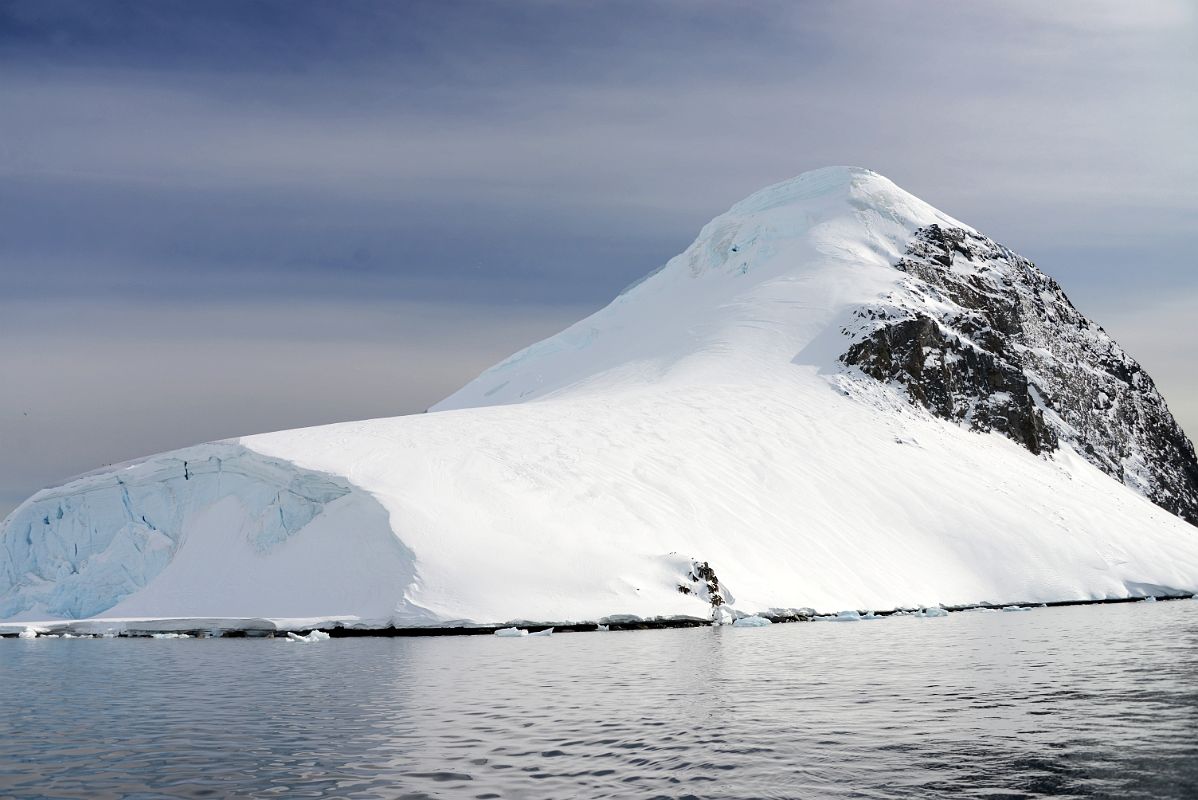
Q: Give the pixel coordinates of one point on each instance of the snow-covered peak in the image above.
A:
(859, 187)
(841, 274)
(815, 183)
(756, 289)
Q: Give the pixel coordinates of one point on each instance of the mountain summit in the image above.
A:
(969, 330)
(836, 397)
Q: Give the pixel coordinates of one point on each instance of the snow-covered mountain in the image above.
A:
(837, 397)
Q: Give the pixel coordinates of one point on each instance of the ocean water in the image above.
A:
(1098, 701)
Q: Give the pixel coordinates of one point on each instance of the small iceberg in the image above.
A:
(546, 632)
(722, 616)
(1150, 599)
(932, 612)
(602, 628)
(28, 633)
(511, 632)
(751, 622)
(1015, 608)
(847, 616)
(170, 636)
(314, 636)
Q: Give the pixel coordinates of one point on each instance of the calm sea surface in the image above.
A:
(1099, 701)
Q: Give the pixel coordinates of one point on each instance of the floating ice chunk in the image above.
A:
(870, 615)
(932, 612)
(170, 635)
(751, 622)
(847, 616)
(511, 632)
(314, 636)
(1150, 599)
(1015, 608)
(546, 632)
(28, 633)
(602, 628)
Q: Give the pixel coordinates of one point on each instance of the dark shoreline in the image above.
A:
(337, 631)
(643, 625)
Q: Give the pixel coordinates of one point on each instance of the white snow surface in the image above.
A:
(702, 416)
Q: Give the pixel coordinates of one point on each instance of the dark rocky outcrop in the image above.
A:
(980, 336)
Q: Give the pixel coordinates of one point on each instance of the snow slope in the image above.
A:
(705, 415)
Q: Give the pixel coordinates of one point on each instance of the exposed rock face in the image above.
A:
(980, 336)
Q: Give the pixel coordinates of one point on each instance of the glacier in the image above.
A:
(199, 529)
(838, 397)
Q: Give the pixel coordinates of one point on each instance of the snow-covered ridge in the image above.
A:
(706, 418)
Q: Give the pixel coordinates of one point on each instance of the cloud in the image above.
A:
(1029, 104)
(1110, 17)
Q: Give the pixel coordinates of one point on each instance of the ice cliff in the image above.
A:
(80, 549)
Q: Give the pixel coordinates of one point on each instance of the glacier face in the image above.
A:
(836, 397)
(80, 549)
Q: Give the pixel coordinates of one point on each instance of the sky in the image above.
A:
(223, 218)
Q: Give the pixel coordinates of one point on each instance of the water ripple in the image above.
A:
(1076, 702)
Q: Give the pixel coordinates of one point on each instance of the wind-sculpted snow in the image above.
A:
(699, 436)
(977, 334)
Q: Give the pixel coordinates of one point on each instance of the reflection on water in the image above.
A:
(1072, 702)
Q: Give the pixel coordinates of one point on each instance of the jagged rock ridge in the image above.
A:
(979, 335)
